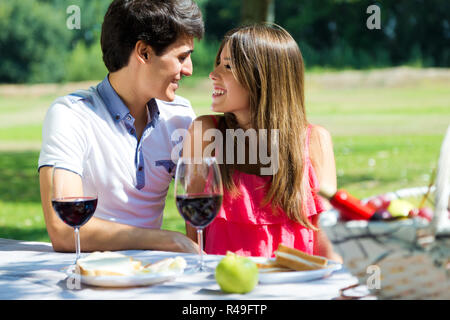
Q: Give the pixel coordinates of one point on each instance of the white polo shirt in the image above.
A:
(92, 133)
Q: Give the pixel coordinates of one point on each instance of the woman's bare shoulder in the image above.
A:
(319, 133)
(322, 155)
(320, 139)
(208, 121)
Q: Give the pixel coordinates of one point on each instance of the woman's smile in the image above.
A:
(218, 92)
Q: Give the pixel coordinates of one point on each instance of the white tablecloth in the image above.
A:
(32, 270)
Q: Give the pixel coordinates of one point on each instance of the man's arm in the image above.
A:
(102, 235)
(191, 232)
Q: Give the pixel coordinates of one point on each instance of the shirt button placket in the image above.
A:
(140, 168)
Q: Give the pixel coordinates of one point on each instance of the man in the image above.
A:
(118, 134)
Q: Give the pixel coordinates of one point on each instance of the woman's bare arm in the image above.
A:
(322, 157)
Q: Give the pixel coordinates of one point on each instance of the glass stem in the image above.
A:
(77, 244)
(200, 247)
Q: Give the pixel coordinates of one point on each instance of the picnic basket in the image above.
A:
(401, 259)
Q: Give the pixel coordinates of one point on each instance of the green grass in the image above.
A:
(427, 99)
(20, 211)
(21, 133)
(19, 103)
(385, 138)
(372, 165)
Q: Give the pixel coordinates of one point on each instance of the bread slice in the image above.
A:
(275, 269)
(298, 260)
(271, 266)
(166, 265)
(108, 263)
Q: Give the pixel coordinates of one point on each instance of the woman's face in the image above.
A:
(228, 94)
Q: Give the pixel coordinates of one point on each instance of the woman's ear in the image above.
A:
(143, 52)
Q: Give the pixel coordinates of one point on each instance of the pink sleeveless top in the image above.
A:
(244, 227)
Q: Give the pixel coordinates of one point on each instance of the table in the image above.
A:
(32, 270)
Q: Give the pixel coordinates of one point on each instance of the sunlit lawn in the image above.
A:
(385, 138)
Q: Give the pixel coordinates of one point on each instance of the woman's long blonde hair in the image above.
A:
(267, 61)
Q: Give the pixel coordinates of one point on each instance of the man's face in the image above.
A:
(167, 69)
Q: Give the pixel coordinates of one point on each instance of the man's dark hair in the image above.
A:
(158, 23)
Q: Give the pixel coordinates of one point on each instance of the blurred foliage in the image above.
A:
(204, 55)
(90, 58)
(333, 33)
(92, 13)
(33, 44)
(37, 46)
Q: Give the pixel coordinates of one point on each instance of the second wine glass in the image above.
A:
(198, 195)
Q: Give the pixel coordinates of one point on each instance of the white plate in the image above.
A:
(298, 276)
(128, 281)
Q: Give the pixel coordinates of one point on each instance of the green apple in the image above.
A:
(236, 274)
(400, 208)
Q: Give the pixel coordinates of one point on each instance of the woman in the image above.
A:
(259, 84)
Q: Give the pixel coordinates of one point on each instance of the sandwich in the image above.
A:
(108, 264)
(297, 260)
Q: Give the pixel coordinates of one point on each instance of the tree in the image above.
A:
(254, 11)
(33, 43)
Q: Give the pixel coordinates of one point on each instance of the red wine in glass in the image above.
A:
(74, 200)
(198, 195)
(75, 211)
(199, 210)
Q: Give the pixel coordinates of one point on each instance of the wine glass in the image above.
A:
(73, 199)
(198, 195)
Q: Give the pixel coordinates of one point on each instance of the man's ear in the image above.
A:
(143, 51)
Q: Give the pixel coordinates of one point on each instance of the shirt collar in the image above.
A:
(153, 111)
(115, 105)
